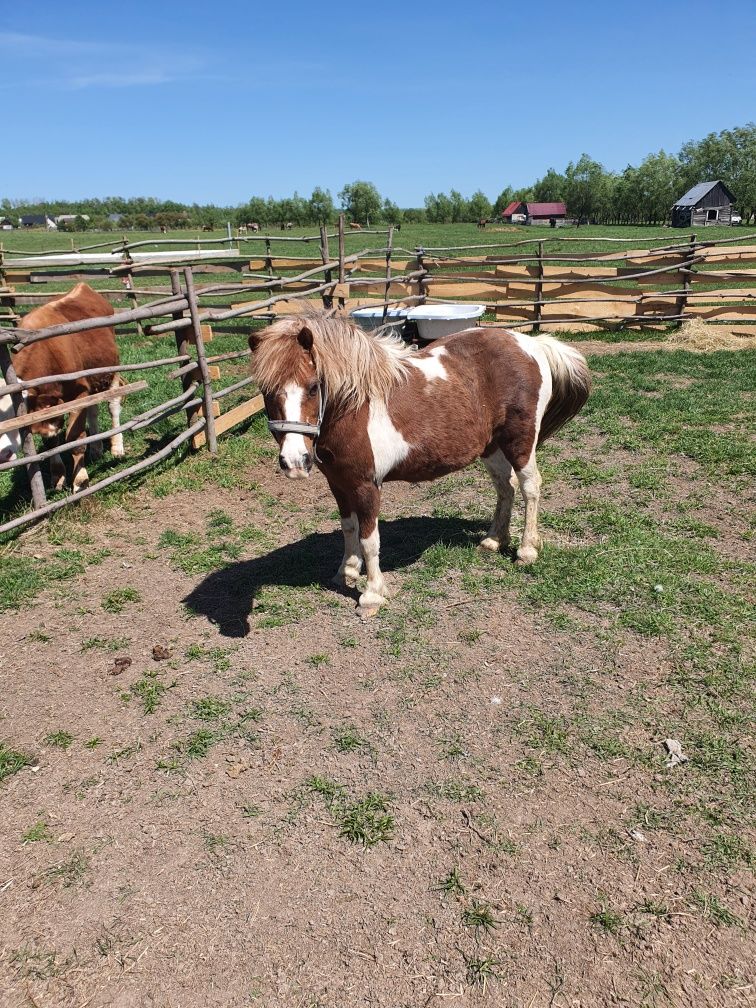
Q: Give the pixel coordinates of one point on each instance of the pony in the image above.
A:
(365, 408)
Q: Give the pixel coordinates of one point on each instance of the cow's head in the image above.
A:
(39, 399)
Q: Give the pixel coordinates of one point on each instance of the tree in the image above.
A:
(321, 206)
(586, 189)
(361, 201)
(479, 206)
(550, 188)
(391, 212)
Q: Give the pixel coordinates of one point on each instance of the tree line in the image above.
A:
(641, 194)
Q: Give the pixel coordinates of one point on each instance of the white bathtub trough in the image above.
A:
(435, 321)
(372, 318)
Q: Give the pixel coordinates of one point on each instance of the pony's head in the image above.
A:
(294, 396)
(318, 363)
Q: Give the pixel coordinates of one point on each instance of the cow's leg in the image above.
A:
(57, 467)
(114, 405)
(76, 427)
(368, 504)
(530, 483)
(500, 471)
(93, 427)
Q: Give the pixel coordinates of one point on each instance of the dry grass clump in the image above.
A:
(695, 334)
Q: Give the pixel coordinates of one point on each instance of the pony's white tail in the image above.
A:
(571, 384)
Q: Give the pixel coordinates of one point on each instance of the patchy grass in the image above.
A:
(150, 689)
(117, 600)
(12, 761)
(59, 739)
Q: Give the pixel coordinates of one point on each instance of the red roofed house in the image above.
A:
(511, 209)
(537, 213)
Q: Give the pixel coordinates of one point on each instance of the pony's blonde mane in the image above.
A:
(355, 365)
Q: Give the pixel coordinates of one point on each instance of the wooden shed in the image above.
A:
(706, 203)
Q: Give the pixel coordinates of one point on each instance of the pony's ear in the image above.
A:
(305, 339)
(254, 341)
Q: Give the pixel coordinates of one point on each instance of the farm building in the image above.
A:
(70, 218)
(37, 220)
(512, 208)
(706, 203)
(536, 213)
(6, 224)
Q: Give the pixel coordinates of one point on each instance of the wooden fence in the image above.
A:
(523, 285)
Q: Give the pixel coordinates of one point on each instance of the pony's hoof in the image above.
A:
(370, 603)
(492, 545)
(119, 452)
(346, 578)
(60, 482)
(526, 556)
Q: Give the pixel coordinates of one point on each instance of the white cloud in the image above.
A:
(74, 64)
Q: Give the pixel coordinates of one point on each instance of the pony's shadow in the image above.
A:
(226, 596)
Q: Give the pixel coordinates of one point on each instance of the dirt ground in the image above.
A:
(179, 839)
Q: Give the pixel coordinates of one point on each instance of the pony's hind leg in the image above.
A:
(376, 591)
(500, 471)
(530, 483)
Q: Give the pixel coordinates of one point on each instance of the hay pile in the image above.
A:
(700, 336)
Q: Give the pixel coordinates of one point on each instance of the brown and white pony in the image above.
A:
(367, 409)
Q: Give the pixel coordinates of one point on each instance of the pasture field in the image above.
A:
(220, 787)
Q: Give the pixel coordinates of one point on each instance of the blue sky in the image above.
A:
(416, 98)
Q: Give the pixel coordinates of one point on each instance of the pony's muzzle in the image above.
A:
(298, 469)
(7, 455)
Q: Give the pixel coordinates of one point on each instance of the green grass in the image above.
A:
(365, 821)
(150, 689)
(117, 600)
(38, 833)
(451, 883)
(478, 915)
(60, 739)
(11, 761)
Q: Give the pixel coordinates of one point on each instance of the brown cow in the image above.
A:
(65, 355)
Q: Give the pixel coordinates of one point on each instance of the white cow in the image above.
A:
(10, 441)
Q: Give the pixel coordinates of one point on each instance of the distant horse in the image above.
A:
(482, 222)
(354, 226)
(366, 409)
(253, 227)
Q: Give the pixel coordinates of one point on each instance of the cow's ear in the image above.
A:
(305, 339)
(254, 341)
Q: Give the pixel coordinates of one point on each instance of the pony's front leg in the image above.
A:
(376, 591)
(351, 564)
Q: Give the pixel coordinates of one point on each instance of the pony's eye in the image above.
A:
(312, 390)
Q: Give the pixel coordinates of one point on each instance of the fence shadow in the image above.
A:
(226, 596)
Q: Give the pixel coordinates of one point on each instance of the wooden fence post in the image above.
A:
(183, 346)
(682, 302)
(39, 498)
(422, 279)
(325, 256)
(342, 269)
(389, 245)
(268, 257)
(539, 291)
(207, 389)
